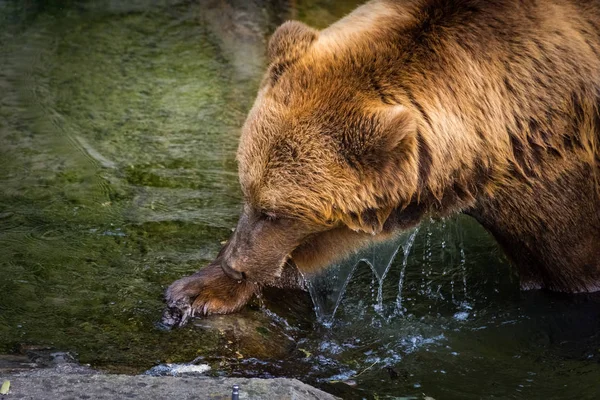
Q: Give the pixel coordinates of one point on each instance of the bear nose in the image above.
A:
(232, 273)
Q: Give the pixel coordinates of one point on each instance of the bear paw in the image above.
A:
(209, 291)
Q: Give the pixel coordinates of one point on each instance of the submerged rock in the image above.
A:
(257, 337)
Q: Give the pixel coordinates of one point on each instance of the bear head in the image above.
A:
(323, 146)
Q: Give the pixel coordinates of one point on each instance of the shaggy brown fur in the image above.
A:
(422, 107)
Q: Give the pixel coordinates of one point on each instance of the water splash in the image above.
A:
(406, 247)
(327, 287)
(442, 273)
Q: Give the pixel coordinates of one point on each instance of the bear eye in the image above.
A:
(267, 215)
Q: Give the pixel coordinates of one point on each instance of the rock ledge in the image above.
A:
(52, 384)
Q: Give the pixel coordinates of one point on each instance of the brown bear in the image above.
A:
(414, 108)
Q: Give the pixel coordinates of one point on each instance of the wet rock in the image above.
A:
(10, 363)
(171, 369)
(258, 331)
(39, 357)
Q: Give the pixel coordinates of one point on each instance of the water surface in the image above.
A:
(118, 128)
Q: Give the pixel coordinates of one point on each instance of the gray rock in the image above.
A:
(51, 384)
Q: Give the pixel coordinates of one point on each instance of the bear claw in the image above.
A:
(177, 314)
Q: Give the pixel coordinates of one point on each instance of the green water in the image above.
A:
(118, 129)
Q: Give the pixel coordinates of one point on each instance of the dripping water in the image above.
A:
(327, 287)
(442, 255)
(406, 247)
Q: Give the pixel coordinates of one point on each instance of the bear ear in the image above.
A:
(290, 41)
(386, 160)
(392, 136)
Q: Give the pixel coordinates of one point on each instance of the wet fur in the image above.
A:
(432, 107)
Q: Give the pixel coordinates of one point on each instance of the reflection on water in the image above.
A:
(118, 127)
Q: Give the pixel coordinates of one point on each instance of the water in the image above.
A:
(328, 287)
(118, 128)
